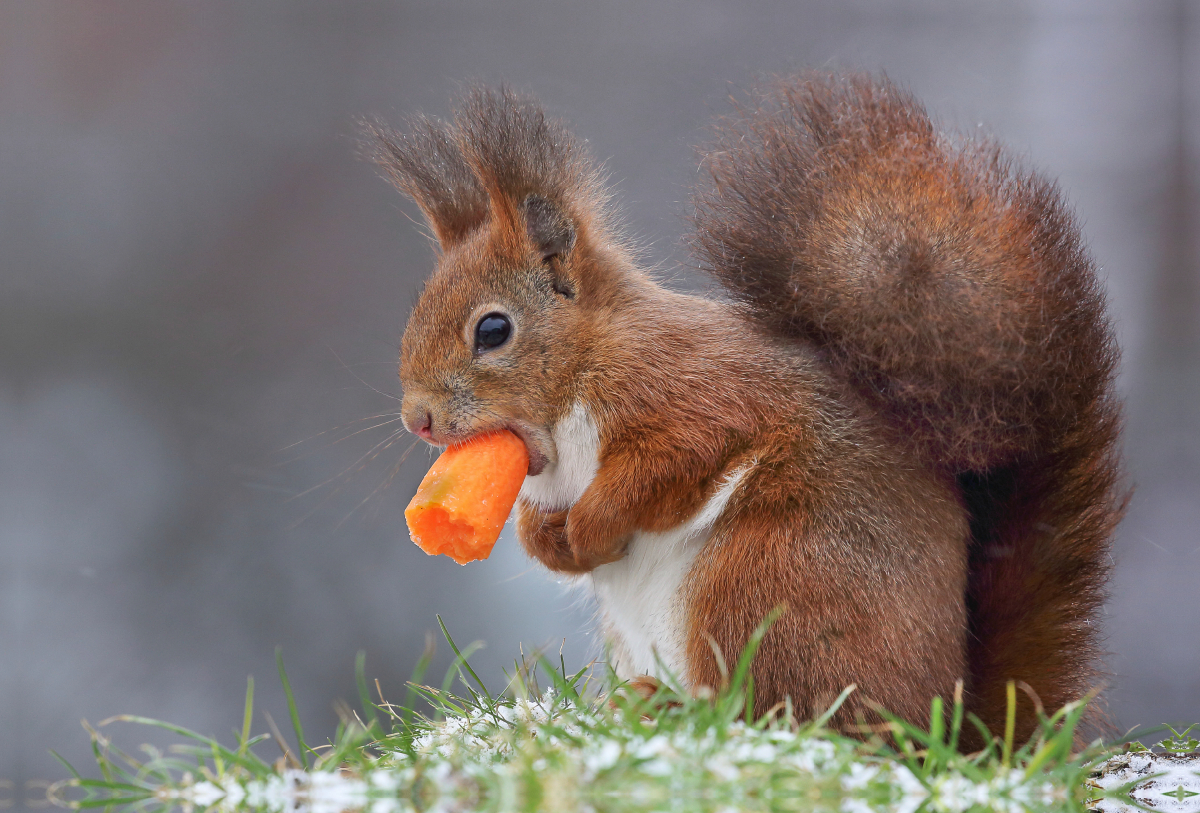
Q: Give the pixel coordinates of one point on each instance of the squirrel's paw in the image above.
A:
(544, 536)
(592, 538)
(564, 541)
(646, 687)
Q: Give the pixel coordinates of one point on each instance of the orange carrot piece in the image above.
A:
(466, 497)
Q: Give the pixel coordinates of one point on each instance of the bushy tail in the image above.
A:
(952, 289)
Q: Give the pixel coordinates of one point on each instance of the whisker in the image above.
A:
(366, 457)
(337, 429)
(365, 429)
(365, 363)
(376, 450)
(516, 576)
(361, 380)
(395, 471)
(381, 486)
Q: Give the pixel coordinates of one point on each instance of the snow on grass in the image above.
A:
(1159, 781)
(574, 746)
(553, 754)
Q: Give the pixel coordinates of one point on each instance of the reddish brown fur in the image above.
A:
(919, 371)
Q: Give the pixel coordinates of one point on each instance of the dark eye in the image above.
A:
(493, 330)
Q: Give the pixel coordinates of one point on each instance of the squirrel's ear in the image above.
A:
(538, 178)
(427, 164)
(549, 228)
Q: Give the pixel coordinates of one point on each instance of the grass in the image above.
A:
(555, 740)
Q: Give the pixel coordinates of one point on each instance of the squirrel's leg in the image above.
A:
(849, 616)
(645, 483)
(571, 541)
(601, 524)
(646, 687)
(593, 532)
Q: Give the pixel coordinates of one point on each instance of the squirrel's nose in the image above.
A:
(422, 426)
(418, 420)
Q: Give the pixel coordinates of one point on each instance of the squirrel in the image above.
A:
(898, 423)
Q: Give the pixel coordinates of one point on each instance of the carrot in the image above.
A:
(466, 497)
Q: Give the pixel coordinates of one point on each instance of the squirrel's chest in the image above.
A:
(643, 602)
(643, 597)
(561, 484)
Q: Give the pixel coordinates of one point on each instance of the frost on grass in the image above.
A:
(571, 749)
(548, 755)
(573, 758)
(560, 752)
(1159, 781)
(553, 754)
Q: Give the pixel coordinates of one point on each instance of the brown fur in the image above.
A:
(918, 367)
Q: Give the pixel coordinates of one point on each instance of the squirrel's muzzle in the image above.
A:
(418, 419)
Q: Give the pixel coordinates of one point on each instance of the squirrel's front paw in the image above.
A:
(565, 541)
(593, 543)
(544, 536)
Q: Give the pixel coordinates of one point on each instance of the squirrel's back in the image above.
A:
(950, 288)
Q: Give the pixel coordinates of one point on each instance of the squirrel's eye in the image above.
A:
(493, 330)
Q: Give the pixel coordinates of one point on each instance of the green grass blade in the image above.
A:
(463, 660)
(956, 719)
(371, 714)
(249, 760)
(247, 717)
(88, 804)
(937, 722)
(736, 693)
(105, 784)
(827, 715)
(986, 736)
(410, 698)
(301, 745)
(67, 765)
(1010, 723)
(456, 665)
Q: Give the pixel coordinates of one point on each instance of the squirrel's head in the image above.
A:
(525, 272)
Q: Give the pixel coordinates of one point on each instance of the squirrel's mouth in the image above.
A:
(537, 458)
(536, 442)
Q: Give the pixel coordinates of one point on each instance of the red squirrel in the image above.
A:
(899, 424)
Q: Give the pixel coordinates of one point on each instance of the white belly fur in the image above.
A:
(640, 595)
(577, 447)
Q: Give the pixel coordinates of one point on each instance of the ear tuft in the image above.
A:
(426, 163)
(549, 228)
(500, 164)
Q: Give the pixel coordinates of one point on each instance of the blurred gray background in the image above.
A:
(202, 291)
